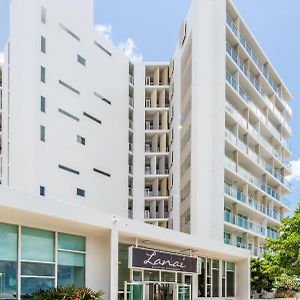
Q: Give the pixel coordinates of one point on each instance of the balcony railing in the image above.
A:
(130, 169)
(234, 167)
(249, 100)
(130, 147)
(257, 62)
(130, 124)
(260, 161)
(131, 79)
(156, 215)
(244, 223)
(237, 194)
(130, 214)
(243, 122)
(254, 251)
(130, 192)
(131, 102)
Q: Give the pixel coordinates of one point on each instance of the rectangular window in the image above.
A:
(68, 114)
(71, 260)
(8, 260)
(42, 133)
(102, 98)
(43, 44)
(102, 48)
(80, 192)
(43, 104)
(81, 60)
(42, 190)
(69, 87)
(43, 15)
(91, 117)
(43, 74)
(67, 30)
(80, 140)
(68, 169)
(101, 172)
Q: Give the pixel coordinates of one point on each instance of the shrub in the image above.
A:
(287, 286)
(67, 293)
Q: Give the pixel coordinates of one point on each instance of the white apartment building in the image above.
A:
(151, 180)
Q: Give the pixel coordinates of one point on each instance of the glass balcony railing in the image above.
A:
(257, 86)
(257, 62)
(244, 223)
(237, 194)
(236, 168)
(230, 136)
(254, 251)
(262, 140)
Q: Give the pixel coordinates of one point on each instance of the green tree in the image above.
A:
(262, 277)
(284, 252)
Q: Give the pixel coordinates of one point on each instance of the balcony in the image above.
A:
(256, 61)
(131, 102)
(130, 192)
(254, 251)
(247, 126)
(131, 79)
(131, 124)
(237, 194)
(130, 169)
(130, 214)
(244, 223)
(130, 147)
(253, 156)
(258, 88)
(148, 193)
(156, 215)
(150, 149)
(256, 182)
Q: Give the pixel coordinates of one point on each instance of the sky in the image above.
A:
(149, 30)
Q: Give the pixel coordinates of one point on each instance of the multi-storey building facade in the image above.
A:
(184, 160)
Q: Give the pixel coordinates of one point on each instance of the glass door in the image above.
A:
(134, 291)
(184, 292)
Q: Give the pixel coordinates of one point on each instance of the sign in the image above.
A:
(159, 260)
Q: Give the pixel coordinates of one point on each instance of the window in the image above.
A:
(43, 15)
(42, 133)
(102, 98)
(80, 192)
(68, 114)
(101, 172)
(8, 260)
(43, 104)
(43, 44)
(68, 169)
(102, 48)
(69, 87)
(71, 260)
(67, 30)
(43, 74)
(42, 190)
(80, 140)
(230, 269)
(91, 117)
(37, 259)
(81, 60)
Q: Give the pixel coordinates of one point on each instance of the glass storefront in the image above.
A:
(37, 260)
(216, 279)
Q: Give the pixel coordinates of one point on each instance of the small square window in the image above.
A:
(42, 190)
(43, 104)
(43, 15)
(43, 74)
(80, 192)
(80, 140)
(81, 60)
(43, 44)
(42, 133)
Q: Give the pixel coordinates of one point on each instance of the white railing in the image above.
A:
(131, 79)
(131, 102)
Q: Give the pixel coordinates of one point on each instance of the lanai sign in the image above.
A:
(159, 260)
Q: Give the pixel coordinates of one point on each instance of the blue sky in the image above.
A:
(139, 25)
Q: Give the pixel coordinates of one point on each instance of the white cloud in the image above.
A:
(295, 170)
(105, 29)
(129, 47)
(131, 50)
(1, 58)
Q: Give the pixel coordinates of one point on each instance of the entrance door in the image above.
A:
(134, 291)
(184, 292)
(159, 291)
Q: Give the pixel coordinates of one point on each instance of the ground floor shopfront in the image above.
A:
(42, 246)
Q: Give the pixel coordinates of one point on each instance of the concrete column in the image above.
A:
(114, 239)
(243, 279)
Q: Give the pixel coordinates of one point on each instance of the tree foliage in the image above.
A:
(261, 277)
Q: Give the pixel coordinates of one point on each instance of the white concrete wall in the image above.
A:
(33, 163)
